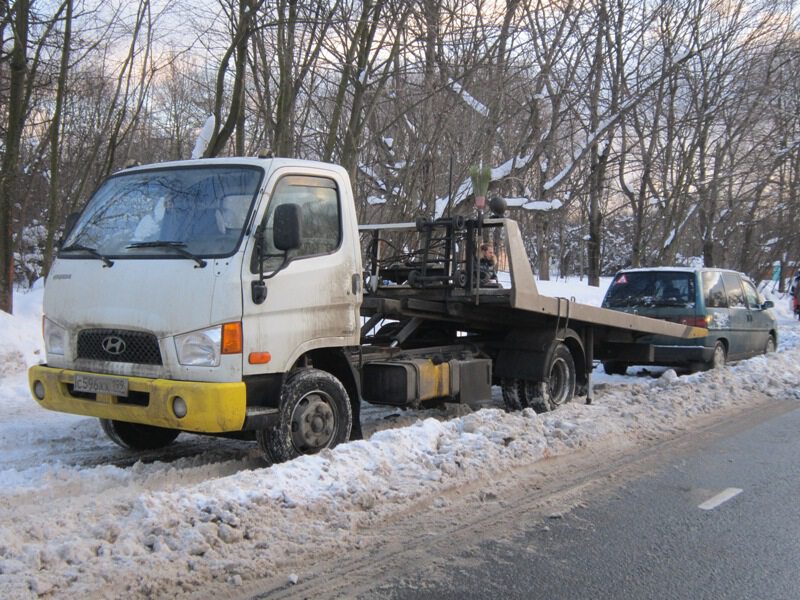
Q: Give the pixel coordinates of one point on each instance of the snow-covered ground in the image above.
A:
(81, 518)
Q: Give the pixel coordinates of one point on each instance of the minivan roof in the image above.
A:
(678, 269)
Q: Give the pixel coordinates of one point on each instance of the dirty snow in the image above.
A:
(81, 518)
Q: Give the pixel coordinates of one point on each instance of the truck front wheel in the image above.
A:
(315, 414)
(559, 388)
(135, 436)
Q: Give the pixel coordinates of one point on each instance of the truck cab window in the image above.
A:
(318, 199)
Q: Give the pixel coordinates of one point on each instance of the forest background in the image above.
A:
(621, 132)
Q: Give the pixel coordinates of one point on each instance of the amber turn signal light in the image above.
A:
(259, 358)
(232, 338)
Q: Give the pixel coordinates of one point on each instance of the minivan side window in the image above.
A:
(734, 288)
(714, 290)
(750, 292)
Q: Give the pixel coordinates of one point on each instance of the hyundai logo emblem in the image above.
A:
(113, 344)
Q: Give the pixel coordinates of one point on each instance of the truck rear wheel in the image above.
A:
(135, 436)
(315, 414)
(559, 388)
(513, 394)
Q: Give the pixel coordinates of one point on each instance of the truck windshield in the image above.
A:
(202, 210)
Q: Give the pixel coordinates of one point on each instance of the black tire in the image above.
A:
(615, 368)
(315, 414)
(135, 436)
(560, 386)
(513, 394)
(719, 358)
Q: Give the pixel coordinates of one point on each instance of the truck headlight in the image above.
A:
(200, 348)
(55, 337)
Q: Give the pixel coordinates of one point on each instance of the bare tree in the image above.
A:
(237, 50)
(15, 123)
(53, 212)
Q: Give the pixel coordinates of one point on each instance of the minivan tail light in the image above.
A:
(695, 321)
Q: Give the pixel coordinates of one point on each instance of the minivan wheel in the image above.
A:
(719, 357)
(770, 345)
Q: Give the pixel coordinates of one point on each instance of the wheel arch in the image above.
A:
(576, 348)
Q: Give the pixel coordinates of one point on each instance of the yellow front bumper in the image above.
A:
(211, 407)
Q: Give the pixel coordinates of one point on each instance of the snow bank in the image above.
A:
(21, 333)
(72, 524)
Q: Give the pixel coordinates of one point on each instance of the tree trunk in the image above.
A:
(235, 118)
(542, 233)
(8, 170)
(54, 212)
(597, 165)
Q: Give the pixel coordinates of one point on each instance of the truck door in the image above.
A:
(311, 301)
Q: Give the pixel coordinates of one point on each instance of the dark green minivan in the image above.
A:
(740, 323)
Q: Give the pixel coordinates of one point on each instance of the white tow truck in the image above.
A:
(228, 296)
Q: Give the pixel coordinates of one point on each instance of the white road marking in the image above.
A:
(723, 496)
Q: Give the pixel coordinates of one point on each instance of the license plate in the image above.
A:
(116, 386)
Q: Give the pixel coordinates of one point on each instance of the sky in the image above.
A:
(83, 518)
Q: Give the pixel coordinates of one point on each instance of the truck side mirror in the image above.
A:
(288, 227)
(767, 304)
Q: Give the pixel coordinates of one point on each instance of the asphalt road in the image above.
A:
(648, 536)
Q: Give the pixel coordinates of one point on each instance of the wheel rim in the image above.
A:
(558, 387)
(313, 422)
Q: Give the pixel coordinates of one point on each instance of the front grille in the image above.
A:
(116, 345)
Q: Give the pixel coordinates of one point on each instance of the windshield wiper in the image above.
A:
(179, 247)
(107, 262)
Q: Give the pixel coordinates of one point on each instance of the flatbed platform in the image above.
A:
(477, 308)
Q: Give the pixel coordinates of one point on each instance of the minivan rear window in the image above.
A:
(651, 288)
